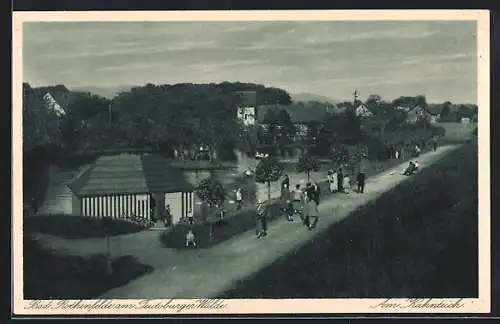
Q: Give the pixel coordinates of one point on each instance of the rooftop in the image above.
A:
(130, 173)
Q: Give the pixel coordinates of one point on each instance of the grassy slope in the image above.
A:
(420, 239)
(51, 276)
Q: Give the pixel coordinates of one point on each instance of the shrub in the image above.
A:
(69, 226)
(211, 191)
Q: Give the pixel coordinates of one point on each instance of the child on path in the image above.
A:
(190, 238)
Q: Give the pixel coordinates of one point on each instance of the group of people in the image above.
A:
(339, 181)
(304, 201)
(300, 201)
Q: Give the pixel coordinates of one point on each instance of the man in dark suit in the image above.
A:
(363, 166)
(340, 179)
(316, 193)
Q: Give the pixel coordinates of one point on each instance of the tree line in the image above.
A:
(156, 117)
(174, 118)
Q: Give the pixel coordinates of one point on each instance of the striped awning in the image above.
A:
(130, 174)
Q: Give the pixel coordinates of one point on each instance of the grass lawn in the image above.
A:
(418, 240)
(51, 276)
(74, 227)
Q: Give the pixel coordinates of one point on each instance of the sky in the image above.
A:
(329, 58)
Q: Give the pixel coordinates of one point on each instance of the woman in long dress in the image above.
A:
(334, 182)
(346, 183)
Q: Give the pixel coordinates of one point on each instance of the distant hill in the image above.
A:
(305, 97)
(107, 92)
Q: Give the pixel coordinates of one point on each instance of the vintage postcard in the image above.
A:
(245, 162)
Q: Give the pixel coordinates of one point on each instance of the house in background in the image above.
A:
(362, 111)
(247, 108)
(52, 104)
(126, 184)
(57, 97)
(418, 112)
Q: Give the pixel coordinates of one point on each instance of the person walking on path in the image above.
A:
(222, 212)
(340, 180)
(361, 182)
(190, 238)
(239, 199)
(363, 166)
(311, 211)
(285, 182)
(297, 199)
(434, 144)
(417, 150)
(286, 202)
(316, 192)
(261, 221)
(334, 183)
(346, 184)
(168, 216)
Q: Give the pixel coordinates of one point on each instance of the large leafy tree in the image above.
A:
(86, 123)
(340, 156)
(445, 110)
(211, 191)
(162, 117)
(268, 170)
(308, 163)
(344, 127)
(40, 125)
(408, 101)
